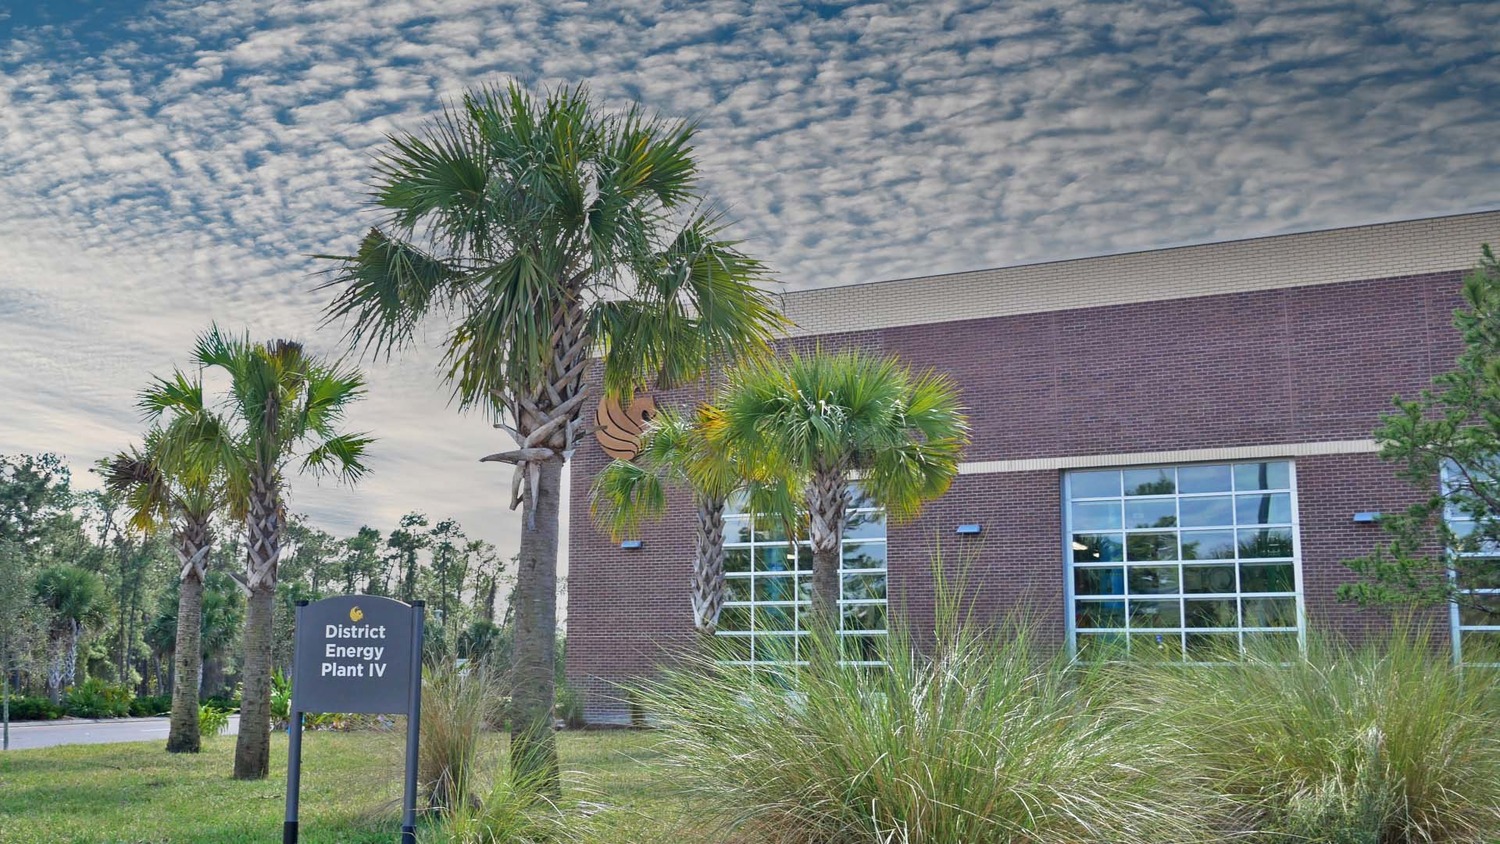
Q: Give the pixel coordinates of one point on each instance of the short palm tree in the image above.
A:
(74, 599)
(184, 499)
(676, 451)
(283, 412)
(824, 418)
(546, 232)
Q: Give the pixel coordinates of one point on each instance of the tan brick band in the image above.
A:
(1156, 458)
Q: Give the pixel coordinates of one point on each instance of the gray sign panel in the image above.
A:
(354, 654)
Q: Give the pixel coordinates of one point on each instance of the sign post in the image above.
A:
(356, 653)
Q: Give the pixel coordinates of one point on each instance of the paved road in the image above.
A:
(53, 733)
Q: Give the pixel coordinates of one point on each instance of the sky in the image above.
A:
(168, 164)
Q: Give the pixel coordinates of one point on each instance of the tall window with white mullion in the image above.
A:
(1182, 562)
(768, 585)
(1474, 550)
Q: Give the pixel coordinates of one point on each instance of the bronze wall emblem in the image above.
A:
(619, 428)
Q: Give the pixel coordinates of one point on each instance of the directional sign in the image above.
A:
(354, 654)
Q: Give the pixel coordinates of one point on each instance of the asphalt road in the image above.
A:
(54, 733)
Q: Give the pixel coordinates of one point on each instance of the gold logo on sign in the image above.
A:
(618, 427)
(356, 614)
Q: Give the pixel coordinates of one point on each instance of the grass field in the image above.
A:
(351, 787)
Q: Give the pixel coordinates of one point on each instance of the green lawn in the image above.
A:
(351, 787)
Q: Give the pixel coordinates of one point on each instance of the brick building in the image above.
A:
(1170, 448)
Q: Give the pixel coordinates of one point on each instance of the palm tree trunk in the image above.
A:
(708, 566)
(252, 748)
(827, 503)
(192, 553)
(533, 745)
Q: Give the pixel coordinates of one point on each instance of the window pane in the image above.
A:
(1094, 484)
(1479, 610)
(1208, 579)
(769, 530)
(1262, 476)
(1274, 508)
(1481, 646)
(734, 618)
(858, 587)
(775, 649)
(862, 647)
(1149, 513)
(1096, 515)
(1167, 646)
(1101, 581)
(1209, 511)
(1101, 646)
(1098, 548)
(737, 529)
(1099, 614)
(774, 588)
(804, 557)
(773, 619)
(734, 648)
(736, 588)
(1150, 481)
(1202, 479)
(736, 560)
(1270, 612)
(1271, 645)
(1210, 613)
(1265, 543)
(1150, 547)
(1155, 614)
(1153, 580)
(870, 525)
(864, 617)
(1212, 647)
(1277, 577)
(867, 555)
(1474, 573)
(1208, 545)
(773, 558)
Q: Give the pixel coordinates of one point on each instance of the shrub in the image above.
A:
(457, 704)
(513, 812)
(569, 707)
(212, 720)
(145, 707)
(983, 742)
(1378, 744)
(281, 699)
(94, 698)
(34, 709)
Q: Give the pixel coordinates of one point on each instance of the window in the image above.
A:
(1181, 561)
(1476, 618)
(768, 585)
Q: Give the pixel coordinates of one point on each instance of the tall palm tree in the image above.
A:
(676, 450)
(547, 231)
(823, 418)
(74, 599)
(282, 413)
(184, 499)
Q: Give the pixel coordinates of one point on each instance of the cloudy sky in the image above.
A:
(165, 164)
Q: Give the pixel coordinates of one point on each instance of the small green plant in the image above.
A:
(34, 709)
(1383, 743)
(457, 705)
(145, 707)
(281, 699)
(94, 698)
(515, 811)
(569, 707)
(212, 720)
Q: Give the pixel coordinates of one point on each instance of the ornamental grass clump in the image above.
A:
(983, 741)
(458, 703)
(1384, 743)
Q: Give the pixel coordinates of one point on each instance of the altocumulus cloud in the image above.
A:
(167, 164)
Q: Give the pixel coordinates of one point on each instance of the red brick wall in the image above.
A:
(1283, 366)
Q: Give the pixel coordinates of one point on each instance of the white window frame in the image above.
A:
(1456, 627)
(1069, 567)
(798, 574)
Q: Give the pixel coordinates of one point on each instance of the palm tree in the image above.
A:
(676, 450)
(547, 231)
(75, 599)
(823, 418)
(284, 407)
(184, 498)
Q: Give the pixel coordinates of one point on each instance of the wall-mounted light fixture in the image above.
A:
(631, 544)
(1367, 517)
(970, 530)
